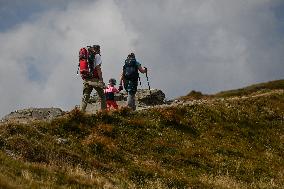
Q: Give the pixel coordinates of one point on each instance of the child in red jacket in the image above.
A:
(109, 92)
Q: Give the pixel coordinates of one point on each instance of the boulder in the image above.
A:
(150, 97)
(30, 114)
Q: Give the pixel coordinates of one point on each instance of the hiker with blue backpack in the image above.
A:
(129, 78)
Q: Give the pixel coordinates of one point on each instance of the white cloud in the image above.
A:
(187, 45)
(50, 45)
(207, 45)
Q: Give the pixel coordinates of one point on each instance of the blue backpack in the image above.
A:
(130, 69)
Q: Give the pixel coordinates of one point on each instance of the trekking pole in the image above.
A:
(78, 68)
(148, 80)
(139, 81)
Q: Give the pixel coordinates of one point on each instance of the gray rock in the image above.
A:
(61, 141)
(144, 99)
(152, 97)
(29, 114)
(143, 96)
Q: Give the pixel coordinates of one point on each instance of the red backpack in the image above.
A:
(86, 68)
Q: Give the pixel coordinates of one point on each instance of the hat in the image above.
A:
(96, 47)
(112, 81)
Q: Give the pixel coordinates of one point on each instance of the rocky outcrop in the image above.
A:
(31, 114)
(144, 99)
(150, 97)
(143, 96)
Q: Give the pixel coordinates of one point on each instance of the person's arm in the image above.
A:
(142, 69)
(98, 63)
(99, 71)
(121, 82)
(115, 90)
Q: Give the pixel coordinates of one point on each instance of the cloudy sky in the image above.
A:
(203, 45)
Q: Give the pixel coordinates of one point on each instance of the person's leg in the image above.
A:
(87, 89)
(131, 89)
(102, 96)
(131, 100)
(114, 104)
(108, 104)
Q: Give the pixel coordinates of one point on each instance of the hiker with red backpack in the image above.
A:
(90, 69)
(129, 78)
(110, 91)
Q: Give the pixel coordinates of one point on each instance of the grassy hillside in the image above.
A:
(260, 88)
(272, 85)
(224, 143)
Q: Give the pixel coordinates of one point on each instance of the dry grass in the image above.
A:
(228, 143)
(222, 181)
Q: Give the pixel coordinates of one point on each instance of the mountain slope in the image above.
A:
(271, 85)
(233, 142)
